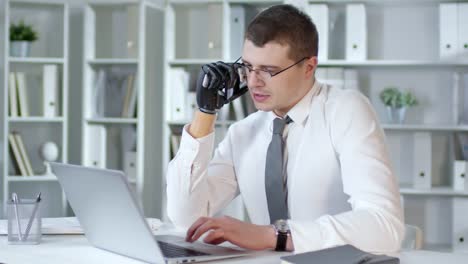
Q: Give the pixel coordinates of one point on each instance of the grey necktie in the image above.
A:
(274, 180)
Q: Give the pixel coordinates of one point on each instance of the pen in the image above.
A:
(31, 219)
(15, 205)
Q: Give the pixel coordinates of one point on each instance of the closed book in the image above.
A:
(16, 154)
(129, 86)
(24, 154)
(132, 105)
(12, 95)
(50, 86)
(99, 93)
(22, 94)
(346, 254)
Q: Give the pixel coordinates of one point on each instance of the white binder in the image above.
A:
(463, 31)
(97, 156)
(460, 175)
(319, 15)
(448, 18)
(179, 87)
(50, 86)
(459, 224)
(422, 160)
(356, 32)
(237, 31)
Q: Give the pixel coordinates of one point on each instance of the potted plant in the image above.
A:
(21, 36)
(397, 103)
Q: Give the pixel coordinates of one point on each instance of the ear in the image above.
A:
(310, 66)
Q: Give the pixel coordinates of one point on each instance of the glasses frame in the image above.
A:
(271, 74)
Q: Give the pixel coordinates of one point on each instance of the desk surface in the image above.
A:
(73, 249)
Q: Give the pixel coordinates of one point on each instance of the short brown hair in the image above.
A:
(285, 24)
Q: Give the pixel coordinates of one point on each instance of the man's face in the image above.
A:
(281, 92)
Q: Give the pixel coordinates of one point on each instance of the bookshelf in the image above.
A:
(42, 101)
(122, 93)
(403, 48)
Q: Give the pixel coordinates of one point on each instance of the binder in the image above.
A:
(179, 80)
(237, 31)
(460, 175)
(356, 32)
(319, 15)
(50, 87)
(463, 31)
(422, 160)
(448, 28)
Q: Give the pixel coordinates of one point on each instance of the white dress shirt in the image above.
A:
(341, 186)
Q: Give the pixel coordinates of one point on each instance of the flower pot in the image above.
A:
(396, 115)
(20, 48)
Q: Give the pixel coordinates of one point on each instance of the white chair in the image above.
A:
(413, 238)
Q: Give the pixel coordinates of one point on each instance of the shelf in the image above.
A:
(434, 191)
(191, 2)
(113, 61)
(37, 60)
(112, 120)
(190, 62)
(182, 122)
(438, 247)
(392, 63)
(255, 2)
(448, 128)
(36, 119)
(31, 178)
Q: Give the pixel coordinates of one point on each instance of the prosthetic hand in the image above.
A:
(218, 84)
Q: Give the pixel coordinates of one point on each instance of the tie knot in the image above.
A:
(278, 125)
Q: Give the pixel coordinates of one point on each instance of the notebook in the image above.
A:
(346, 254)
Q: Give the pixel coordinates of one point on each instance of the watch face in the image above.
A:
(282, 226)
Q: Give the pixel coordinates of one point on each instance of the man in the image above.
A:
(311, 165)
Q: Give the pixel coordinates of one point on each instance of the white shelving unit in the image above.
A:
(403, 49)
(50, 19)
(123, 39)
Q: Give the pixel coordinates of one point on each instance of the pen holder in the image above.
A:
(24, 222)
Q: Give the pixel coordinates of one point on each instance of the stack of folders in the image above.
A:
(346, 254)
(19, 155)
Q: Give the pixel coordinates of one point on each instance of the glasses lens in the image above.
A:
(246, 72)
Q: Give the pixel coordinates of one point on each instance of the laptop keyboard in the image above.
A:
(173, 251)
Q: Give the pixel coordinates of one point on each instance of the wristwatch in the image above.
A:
(282, 233)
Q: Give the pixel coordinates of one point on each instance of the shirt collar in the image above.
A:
(300, 111)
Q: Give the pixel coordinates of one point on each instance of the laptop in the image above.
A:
(112, 220)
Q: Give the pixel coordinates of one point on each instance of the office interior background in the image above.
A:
(109, 84)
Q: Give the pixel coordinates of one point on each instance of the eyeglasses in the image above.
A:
(245, 71)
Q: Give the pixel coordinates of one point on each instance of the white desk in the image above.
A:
(76, 249)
